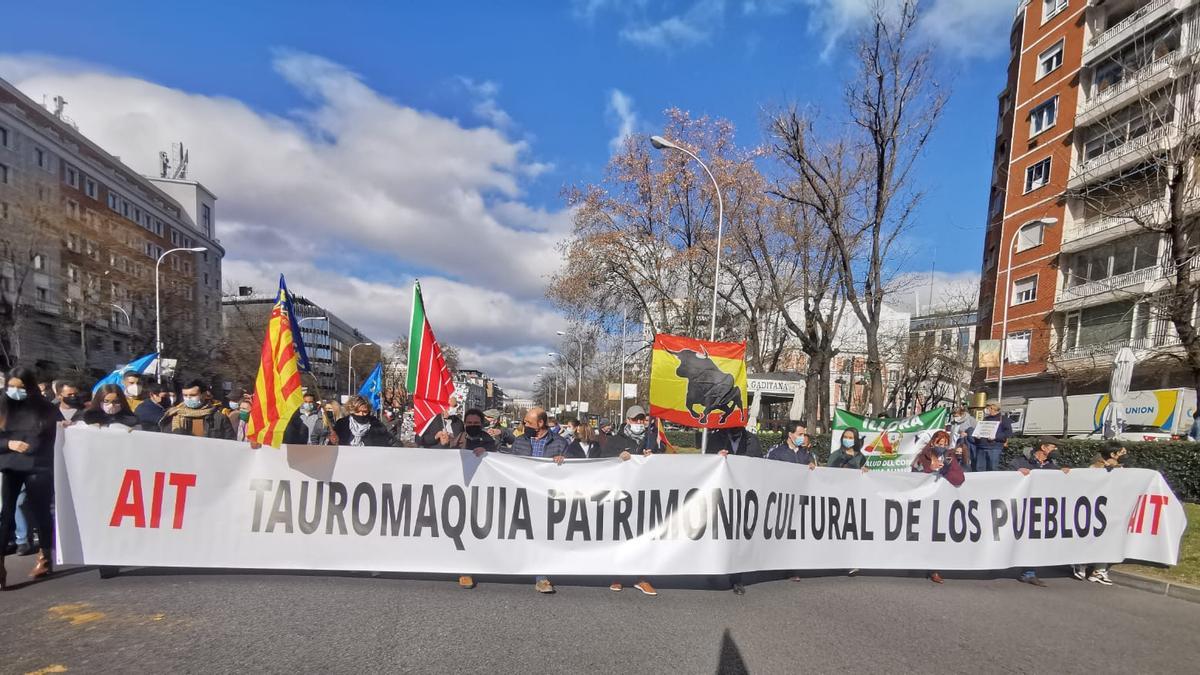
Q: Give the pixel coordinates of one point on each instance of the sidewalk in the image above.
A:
(1170, 589)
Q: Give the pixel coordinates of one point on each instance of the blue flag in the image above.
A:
(372, 387)
(297, 336)
(138, 366)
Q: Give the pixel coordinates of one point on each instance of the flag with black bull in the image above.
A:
(698, 384)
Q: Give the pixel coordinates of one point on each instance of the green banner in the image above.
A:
(889, 444)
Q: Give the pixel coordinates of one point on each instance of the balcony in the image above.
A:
(1115, 35)
(1137, 282)
(1122, 157)
(1102, 353)
(1135, 85)
(1101, 229)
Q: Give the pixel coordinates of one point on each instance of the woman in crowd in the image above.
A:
(28, 424)
(937, 457)
(476, 439)
(849, 454)
(109, 406)
(239, 416)
(360, 427)
(585, 445)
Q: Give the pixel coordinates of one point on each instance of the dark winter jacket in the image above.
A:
(839, 459)
(745, 444)
(1031, 462)
(149, 414)
(784, 453)
(214, 423)
(377, 435)
(101, 418)
(428, 439)
(35, 424)
(1002, 434)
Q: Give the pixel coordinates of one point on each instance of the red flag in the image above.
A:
(428, 377)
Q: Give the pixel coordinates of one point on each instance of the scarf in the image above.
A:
(358, 430)
(181, 415)
(640, 438)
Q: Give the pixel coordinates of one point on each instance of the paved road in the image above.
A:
(200, 621)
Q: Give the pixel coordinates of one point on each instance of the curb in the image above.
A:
(1156, 586)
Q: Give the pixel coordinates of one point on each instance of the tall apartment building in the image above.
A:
(80, 236)
(1097, 92)
(328, 340)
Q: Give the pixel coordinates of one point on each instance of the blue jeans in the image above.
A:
(21, 532)
(987, 458)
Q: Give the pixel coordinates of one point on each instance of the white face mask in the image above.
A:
(133, 390)
(637, 428)
(110, 408)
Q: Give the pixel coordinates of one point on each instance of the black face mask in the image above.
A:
(531, 432)
(473, 429)
(72, 402)
(362, 419)
(735, 433)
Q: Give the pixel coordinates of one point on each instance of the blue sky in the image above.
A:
(496, 105)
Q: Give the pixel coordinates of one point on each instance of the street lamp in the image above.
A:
(556, 356)
(661, 143)
(350, 367)
(1012, 245)
(579, 384)
(122, 310)
(157, 308)
(312, 318)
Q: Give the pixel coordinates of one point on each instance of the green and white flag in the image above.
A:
(889, 444)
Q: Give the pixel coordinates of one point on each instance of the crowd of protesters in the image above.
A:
(31, 411)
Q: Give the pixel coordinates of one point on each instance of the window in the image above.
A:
(1037, 175)
(1031, 235)
(114, 201)
(1050, 8)
(206, 218)
(1025, 290)
(3, 211)
(3, 137)
(1043, 117)
(72, 273)
(42, 158)
(73, 243)
(44, 295)
(72, 176)
(1141, 320)
(89, 188)
(3, 174)
(73, 208)
(39, 261)
(1050, 60)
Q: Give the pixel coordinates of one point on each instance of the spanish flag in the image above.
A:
(277, 390)
(698, 383)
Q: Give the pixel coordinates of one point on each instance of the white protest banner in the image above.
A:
(160, 500)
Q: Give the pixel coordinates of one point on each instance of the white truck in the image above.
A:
(1155, 415)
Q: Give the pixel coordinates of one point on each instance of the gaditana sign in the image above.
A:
(890, 444)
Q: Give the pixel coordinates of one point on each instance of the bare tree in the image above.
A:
(894, 106)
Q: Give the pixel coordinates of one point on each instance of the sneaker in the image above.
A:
(852, 573)
(615, 587)
(739, 589)
(1032, 580)
(1100, 577)
(935, 577)
(1079, 572)
(645, 587)
(26, 549)
(544, 586)
(466, 581)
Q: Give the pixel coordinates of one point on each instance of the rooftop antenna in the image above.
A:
(174, 165)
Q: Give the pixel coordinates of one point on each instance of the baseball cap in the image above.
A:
(634, 412)
(491, 412)
(1046, 440)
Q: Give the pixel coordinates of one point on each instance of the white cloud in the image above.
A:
(486, 107)
(623, 115)
(377, 187)
(945, 290)
(970, 27)
(695, 25)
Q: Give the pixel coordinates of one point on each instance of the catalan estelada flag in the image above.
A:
(277, 390)
(428, 377)
(698, 383)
